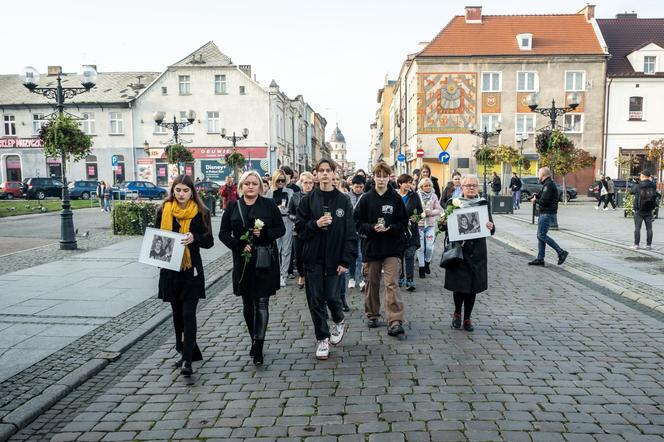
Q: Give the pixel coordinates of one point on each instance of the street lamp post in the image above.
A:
(175, 126)
(235, 138)
(59, 93)
(553, 112)
(484, 136)
(521, 139)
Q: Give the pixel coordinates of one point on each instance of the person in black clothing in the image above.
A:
(496, 184)
(382, 221)
(307, 182)
(291, 177)
(415, 212)
(255, 286)
(184, 212)
(547, 198)
(646, 200)
(515, 187)
(426, 173)
(603, 192)
(325, 225)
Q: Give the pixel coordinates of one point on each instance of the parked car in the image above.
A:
(41, 188)
(82, 189)
(145, 189)
(620, 185)
(11, 189)
(531, 185)
(207, 186)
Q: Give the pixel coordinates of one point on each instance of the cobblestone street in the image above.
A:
(550, 360)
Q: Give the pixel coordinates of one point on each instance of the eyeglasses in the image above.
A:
(470, 186)
(281, 181)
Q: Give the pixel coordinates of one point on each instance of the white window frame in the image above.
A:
(491, 127)
(88, 123)
(535, 81)
(220, 84)
(189, 129)
(158, 130)
(576, 87)
(37, 123)
(116, 124)
(520, 38)
(524, 130)
(646, 63)
(184, 84)
(491, 77)
(643, 108)
(9, 125)
(213, 122)
(567, 128)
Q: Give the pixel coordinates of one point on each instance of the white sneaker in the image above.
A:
(605, 209)
(362, 285)
(596, 207)
(635, 247)
(648, 247)
(351, 283)
(338, 332)
(323, 349)
(282, 281)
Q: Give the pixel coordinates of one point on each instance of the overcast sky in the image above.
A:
(335, 53)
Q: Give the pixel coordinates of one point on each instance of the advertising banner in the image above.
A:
(217, 170)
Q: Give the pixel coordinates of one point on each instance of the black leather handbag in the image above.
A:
(452, 255)
(263, 257)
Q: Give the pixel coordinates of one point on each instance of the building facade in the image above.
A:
(338, 150)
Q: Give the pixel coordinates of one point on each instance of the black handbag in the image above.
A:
(263, 253)
(452, 255)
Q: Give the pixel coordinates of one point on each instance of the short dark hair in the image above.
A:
(404, 178)
(457, 173)
(359, 179)
(331, 163)
(382, 166)
(646, 172)
(287, 170)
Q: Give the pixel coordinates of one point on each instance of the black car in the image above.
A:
(82, 189)
(620, 186)
(41, 188)
(207, 186)
(531, 186)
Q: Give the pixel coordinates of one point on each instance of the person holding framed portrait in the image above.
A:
(468, 277)
(184, 212)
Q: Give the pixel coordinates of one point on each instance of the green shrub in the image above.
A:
(132, 218)
(629, 204)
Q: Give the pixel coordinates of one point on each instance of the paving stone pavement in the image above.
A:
(550, 360)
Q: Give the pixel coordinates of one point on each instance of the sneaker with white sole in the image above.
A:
(362, 285)
(648, 247)
(351, 283)
(282, 281)
(605, 209)
(323, 349)
(635, 247)
(338, 332)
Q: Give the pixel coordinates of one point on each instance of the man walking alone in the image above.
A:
(325, 225)
(547, 198)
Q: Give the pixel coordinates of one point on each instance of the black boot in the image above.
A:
(422, 273)
(258, 352)
(186, 370)
(344, 304)
(426, 268)
(253, 347)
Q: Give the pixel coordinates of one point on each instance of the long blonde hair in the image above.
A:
(278, 174)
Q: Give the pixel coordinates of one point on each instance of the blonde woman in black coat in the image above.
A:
(262, 218)
(184, 212)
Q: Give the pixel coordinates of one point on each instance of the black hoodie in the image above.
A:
(390, 207)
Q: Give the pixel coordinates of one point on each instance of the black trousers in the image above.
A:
(298, 244)
(184, 321)
(609, 199)
(321, 290)
(256, 315)
(467, 300)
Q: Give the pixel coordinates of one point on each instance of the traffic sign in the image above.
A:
(444, 157)
(401, 157)
(420, 152)
(444, 142)
(114, 160)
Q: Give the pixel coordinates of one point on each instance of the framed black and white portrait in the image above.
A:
(162, 248)
(468, 223)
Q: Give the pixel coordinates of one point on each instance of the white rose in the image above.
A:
(456, 202)
(259, 224)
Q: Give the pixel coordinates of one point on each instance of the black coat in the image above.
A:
(470, 275)
(436, 186)
(184, 285)
(258, 283)
(414, 204)
(547, 198)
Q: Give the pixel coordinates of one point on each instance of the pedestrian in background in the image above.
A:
(356, 192)
(382, 220)
(102, 190)
(254, 285)
(496, 184)
(515, 187)
(184, 212)
(468, 277)
(307, 185)
(547, 198)
(342, 187)
(426, 173)
(228, 192)
(611, 194)
(415, 211)
(645, 202)
(427, 225)
(452, 189)
(325, 224)
(281, 195)
(603, 192)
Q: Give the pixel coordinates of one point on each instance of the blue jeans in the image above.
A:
(427, 239)
(543, 225)
(356, 266)
(516, 199)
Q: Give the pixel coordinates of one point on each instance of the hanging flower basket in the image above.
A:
(177, 153)
(63, 136)
(235, 160)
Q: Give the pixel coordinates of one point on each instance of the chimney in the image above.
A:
(627, 15)
(588, 11)
(473, 14)
(246, 68)
(54, 70)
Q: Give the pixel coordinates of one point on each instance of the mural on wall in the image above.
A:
(447, 102)
(491, 102)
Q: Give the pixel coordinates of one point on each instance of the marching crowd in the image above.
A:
(336, 233)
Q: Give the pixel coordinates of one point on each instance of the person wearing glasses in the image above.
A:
(281, 195)
(468, 277)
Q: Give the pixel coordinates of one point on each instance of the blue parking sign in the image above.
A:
(114, 160)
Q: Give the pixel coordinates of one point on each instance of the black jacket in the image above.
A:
(436, 186)
(547, 198)
(258, 283)
(515, 184)
(496, 184)
(184, 285)
(636, 191)
(390, 207)
(414, 204)
(338, 241)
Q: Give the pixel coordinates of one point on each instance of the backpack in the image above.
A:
(647, 199)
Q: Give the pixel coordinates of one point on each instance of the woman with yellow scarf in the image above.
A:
(184, 212)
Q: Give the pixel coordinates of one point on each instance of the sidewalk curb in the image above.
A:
(615, 289)
(22, 416)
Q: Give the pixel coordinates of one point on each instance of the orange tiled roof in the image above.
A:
(496, 35)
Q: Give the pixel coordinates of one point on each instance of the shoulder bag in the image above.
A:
(263, 253)
(452, 255)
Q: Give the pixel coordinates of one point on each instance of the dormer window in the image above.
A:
(649, 65)
(525, 41)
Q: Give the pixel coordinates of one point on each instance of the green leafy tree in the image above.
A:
(655, 153)
(506, 154)
(177, 153)
(236, 161)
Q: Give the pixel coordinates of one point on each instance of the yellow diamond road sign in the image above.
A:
(444, 142)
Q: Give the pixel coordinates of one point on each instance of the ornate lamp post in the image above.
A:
(484, 136)
(553, 112)
(235, 138)
(59, 94)
(521, 139)
(175, 126)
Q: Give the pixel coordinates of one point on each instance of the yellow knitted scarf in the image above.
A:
(184, 216)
